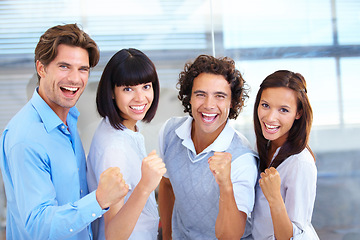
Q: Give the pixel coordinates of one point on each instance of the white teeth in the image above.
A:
(271, 126)
(73, 89)
(209, 115)
(138, 107)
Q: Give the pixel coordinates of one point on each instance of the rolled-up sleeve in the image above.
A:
(300, 197)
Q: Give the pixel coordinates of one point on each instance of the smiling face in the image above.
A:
(210, 104)
(64, 79)
(134, 102)
(277, 112)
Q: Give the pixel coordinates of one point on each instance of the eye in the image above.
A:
(221, 96)
(127, 89)
(265, 105)
(84, 69)
(63, 66)
(284, 110)
(147, 86)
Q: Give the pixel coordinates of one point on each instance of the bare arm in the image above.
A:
(166, 204)
(270, 183)
(230, 222)
(121, 219)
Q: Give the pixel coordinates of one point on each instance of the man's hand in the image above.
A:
(220, 166)
(112, 187)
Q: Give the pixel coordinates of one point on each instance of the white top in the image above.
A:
(124, 149)
(298, 189)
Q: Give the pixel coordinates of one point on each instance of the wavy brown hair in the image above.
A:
(70, 34)
(224, 66)
(299, 133)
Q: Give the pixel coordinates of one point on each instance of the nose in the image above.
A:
(74, 76)
(139, 96)
(209, 102)
(272, 115)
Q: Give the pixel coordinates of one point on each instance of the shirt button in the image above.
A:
(93, 214)
(71, 230)
(62, 127)
(81, 190)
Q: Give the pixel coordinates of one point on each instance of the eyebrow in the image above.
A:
(68, 64)
(63, 63)
(199, 91)
(221, 93)
(282, 106)
(215, 93)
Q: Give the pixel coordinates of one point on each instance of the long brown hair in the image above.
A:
(299, 133)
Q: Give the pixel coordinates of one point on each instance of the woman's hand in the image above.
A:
(152, 170)
(270, 183)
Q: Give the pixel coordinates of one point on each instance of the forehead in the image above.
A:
(211, 83)
(280, 96)
(72, 55)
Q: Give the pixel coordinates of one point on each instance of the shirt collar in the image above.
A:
(48, 116)
(221, 143)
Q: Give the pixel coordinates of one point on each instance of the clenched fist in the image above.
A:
(270, 183)
(220, 166)
(112, 187)
(152, 170)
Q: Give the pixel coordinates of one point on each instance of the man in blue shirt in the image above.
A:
(42, 158)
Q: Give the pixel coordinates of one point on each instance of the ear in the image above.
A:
(298, 114)
(40, 68)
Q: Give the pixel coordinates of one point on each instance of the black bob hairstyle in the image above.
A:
(128, 67)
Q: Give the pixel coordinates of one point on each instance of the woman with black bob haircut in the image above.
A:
(128, 67)
(128, 92)
(285, 193)
(208, 64)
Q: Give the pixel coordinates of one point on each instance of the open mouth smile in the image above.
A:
(271, 128)
(209, 117)
(140, 108)
(72, 90)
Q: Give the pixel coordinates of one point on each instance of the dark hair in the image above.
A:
(128, 67)
(224, 66)
(70, 34)
(299, 133)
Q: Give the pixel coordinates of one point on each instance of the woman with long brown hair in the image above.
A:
(285, 193)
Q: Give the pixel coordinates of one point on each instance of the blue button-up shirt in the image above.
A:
(44, 171)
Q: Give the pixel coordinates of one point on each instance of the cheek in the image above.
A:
(259, 113)
(120, 101)
(151, 97)
(227, 110)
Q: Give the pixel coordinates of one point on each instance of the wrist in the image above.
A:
(226, 187)
(100, 202)
(226, 191)
(276, 202)
(143, 188)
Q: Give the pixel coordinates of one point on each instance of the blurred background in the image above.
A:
(318, 38)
